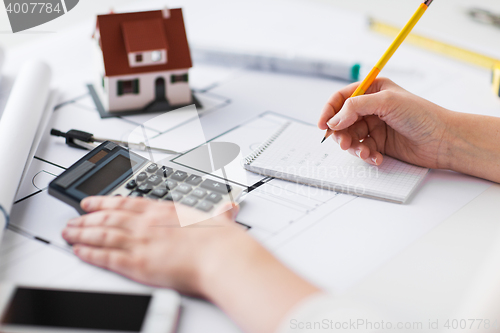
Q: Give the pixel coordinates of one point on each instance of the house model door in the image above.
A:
(160, 89)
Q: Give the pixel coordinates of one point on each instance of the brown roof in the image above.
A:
(144, 35)
(115, 51)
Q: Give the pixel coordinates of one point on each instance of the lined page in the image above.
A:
(297, 154)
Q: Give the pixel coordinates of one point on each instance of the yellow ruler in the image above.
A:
(496, 79)
(437, 46)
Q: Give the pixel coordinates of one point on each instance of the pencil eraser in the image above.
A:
(496, 79)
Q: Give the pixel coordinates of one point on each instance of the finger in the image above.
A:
(343, 138)
(358, 131)
(97, 236)
(374, 157)
(382, 83)
(360, 150)
(380, 104)
(105, 218)
(138, 205)
(115, 260)
(334, 104)
(353, 109)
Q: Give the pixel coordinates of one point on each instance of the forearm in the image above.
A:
(252, 286)
(473, 145)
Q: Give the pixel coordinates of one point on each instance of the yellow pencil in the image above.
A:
(367, 82)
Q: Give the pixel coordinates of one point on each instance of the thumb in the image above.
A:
(354, 108)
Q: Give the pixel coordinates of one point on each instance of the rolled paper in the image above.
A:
(2, 58)
(19, 125)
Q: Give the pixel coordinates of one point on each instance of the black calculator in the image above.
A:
(112, 170)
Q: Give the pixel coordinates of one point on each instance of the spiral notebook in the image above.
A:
(295, 153)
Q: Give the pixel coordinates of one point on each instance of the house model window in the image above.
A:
(138, 58)
(156, 56)
(128, 87)
(179, 78)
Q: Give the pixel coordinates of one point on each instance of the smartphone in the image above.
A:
(36, 310)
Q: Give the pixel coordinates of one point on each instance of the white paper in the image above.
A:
(18, 129)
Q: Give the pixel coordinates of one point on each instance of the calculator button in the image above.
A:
(164, 171)
(205, 206)
(184, 188)
(216, 186)
(136, 194)
(145, 188)
(131, 184)
(199, 193)
(194, 180)
(142, 176)
(179, 175)
(174, 196)
(154, 180)
(214, 197)
(171, 184)
(189, 201)
(159, 192)
(152, 168)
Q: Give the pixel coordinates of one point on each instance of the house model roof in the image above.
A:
(121, 34)
(144, 35)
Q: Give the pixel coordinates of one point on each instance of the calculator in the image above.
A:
(113, 170)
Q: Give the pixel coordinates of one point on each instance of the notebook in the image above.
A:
(295, 153)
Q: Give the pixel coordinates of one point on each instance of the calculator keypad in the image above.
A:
(159, 182)
(179, 175)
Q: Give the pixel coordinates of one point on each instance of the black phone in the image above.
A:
(34, 309)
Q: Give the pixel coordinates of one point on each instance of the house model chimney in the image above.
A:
(166, 13)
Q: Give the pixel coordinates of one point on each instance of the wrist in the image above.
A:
(471, 145)
(220, 258)
(242, 275)
(449, 140)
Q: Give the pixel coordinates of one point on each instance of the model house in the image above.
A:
(143, 61)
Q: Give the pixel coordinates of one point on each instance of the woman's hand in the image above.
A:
(388, 120)
(143, 240)
(216, 259)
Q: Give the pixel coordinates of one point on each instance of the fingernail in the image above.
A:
(332, 123)
(87, 204)
(74, 222)
(76, 249)
(374, 160)
(358, 152)
(68, 232)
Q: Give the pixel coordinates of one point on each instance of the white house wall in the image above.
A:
(99, 75)
(177, 93)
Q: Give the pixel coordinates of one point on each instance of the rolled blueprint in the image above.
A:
(19, 126)
(2, 58)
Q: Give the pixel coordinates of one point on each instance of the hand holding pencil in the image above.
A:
(370, 78)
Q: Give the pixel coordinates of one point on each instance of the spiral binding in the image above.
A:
(250, 158)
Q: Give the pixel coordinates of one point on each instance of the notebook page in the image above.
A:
(297, 154)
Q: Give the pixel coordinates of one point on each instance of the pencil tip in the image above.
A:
(323, 139)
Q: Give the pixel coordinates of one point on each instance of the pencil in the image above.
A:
(367, 82)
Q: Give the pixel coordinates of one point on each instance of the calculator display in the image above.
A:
(109, 173)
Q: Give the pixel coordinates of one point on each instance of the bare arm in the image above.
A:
(142, 239)
(473, 145)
